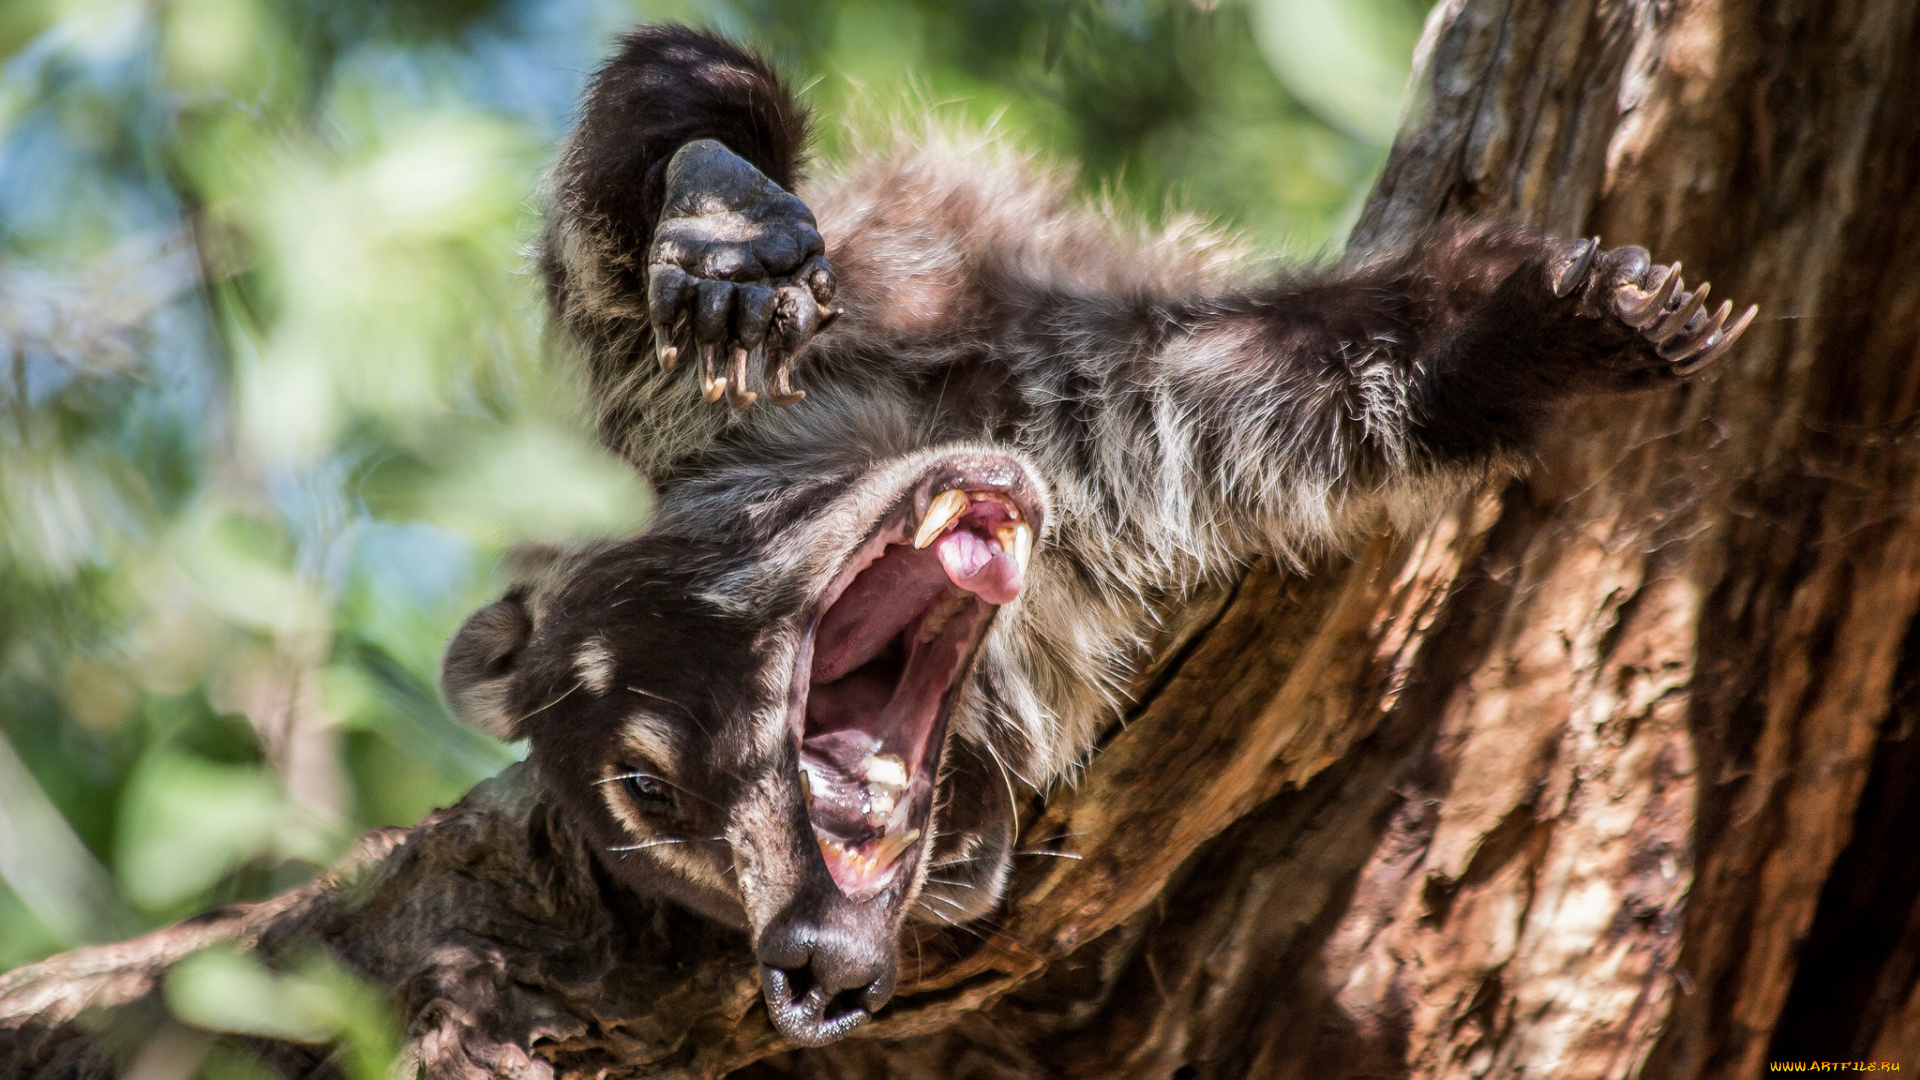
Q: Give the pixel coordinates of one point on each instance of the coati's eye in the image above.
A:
(646, 789)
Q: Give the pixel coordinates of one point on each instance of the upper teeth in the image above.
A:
(885, 770)
(1016, 539)
(947, 506)
(886, 778)
(1016, 536)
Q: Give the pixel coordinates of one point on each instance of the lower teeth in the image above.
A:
(889, 848)
(883, 855)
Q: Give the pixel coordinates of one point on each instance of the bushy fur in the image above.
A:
(1186, 408)
(1151, 375)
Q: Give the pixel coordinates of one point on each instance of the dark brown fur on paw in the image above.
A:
(739, 259)
(1666, 318)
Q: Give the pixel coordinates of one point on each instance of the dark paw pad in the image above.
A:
(738, 264)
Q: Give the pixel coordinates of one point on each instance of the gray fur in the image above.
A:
(1176, 407)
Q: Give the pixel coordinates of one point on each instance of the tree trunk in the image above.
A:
(1609, 771)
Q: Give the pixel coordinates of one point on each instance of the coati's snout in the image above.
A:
(826, 964)
(755, 717)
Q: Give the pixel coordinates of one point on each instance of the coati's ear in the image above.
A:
(477, 673)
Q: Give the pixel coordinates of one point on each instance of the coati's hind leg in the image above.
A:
(1667, 320)
(740, 259)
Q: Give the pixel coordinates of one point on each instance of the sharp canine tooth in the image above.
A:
(889, 849)
(806, 786)
(948, 505)
(1016, 538)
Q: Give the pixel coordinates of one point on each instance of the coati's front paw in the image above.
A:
(740, 259)
(1668, 323)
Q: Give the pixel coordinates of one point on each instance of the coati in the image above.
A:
(872, 607)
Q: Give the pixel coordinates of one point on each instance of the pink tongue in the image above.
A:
(970, 563)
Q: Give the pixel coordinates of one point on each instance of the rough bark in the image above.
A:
(1610, 771)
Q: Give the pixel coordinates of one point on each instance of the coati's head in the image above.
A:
(765, 712)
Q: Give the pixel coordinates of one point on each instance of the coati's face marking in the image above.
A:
(754, 721)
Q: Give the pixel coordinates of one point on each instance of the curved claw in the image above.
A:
(1638, 313)
(738, 395)
(1717, 346)
(779, 382)
(796, 317)
(712, 383)
(663, 347)
(1580, 261)
(1684, 345)
(1676, 320)
(759, 324)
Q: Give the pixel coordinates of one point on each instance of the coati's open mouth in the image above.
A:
(899, 630)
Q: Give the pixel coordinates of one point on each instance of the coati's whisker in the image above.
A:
(684, 711)
(950, 921)
(1006, 776)
(668, 840)
(692, 717)
(658, 779)
(990, 926)
(1058, 838)
(1051, 854)
(955, 884)
(657, 697)
(629, 776)
(547, 706)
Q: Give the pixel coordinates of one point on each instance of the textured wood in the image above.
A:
(1609, 772)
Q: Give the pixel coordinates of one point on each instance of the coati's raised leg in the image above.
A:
(670, 222)
(737, 262)
(1287, 417)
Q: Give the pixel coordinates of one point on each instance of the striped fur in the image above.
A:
(1186, 406)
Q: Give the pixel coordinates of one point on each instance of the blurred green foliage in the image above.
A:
(271, 405)
(314, 1000)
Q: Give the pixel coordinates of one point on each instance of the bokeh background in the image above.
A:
(272, 398)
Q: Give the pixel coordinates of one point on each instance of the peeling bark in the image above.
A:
(1608, 772)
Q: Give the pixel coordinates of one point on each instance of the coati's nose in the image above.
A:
(824, 972)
